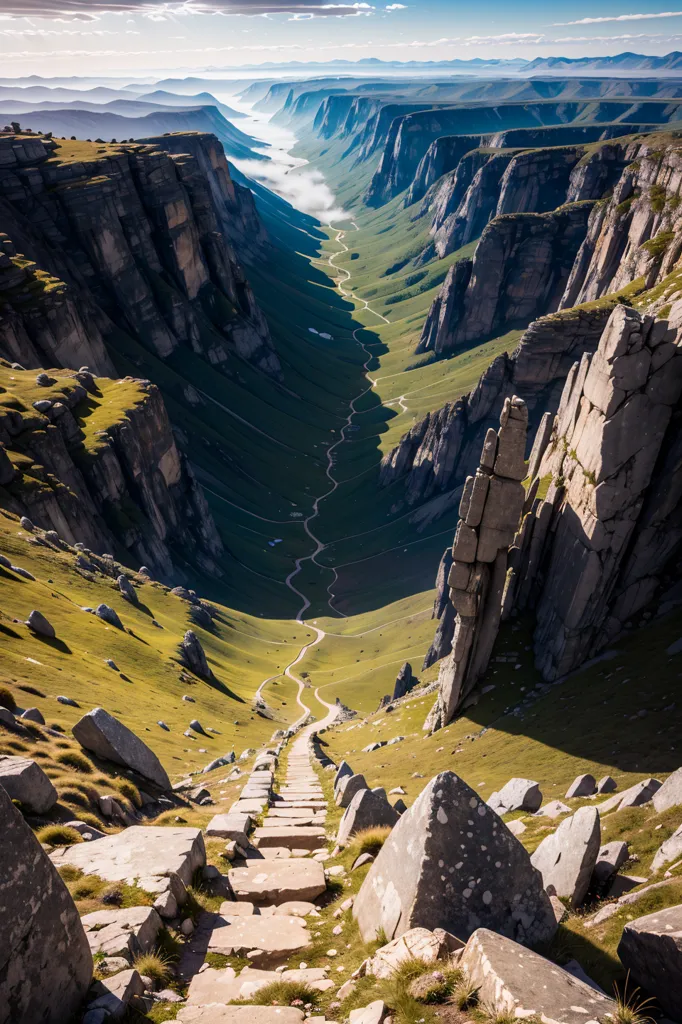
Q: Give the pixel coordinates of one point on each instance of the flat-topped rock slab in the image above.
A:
(293, 812)
(122, 932)
(277, 822)
(302, 837)
(313, 803)
(230, 826)
(278, 881)
(253, 806)
(224, 985)
(217, 1013)
(144, 854)
(276, 938)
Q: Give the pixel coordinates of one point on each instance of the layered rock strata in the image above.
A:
(492, 502)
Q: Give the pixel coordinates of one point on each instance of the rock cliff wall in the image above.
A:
(593, 553)
(441, 449)
(140, 235)
(95, 460)
(519, 271)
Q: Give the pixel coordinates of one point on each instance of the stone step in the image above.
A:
(251, 806)
(305, 837)
(278, 881)
(278, 822)
(294, 812)
(313, 803)
(222, 986)
(270, 940)
(217, 1013)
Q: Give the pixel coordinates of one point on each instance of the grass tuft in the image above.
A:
(283, 993)
(155, 965)
(58, 835)
(369, 840)
(7, 699)
(74, 759)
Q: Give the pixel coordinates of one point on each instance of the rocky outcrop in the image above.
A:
(467, 200)
(137, 237)
(490, 508)
(45, 963)
(519, 271)
(594, 551)
(440, 450)
(443, 612)
(650, 949)
(123, 485)
(404, 682)
(443, 155)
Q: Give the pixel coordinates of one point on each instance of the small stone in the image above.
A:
(187, 926)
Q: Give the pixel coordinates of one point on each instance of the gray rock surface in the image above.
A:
(348, 786)
(108, 614)
(122, 932)
(105, 736)
(193, 656)
(670, 793)
(668, 851)
(433, 873)
(566, 859)
(513, 981)
(611, 856)
(367, 809)
(606, 785)
(40, 625)
(583, 785)
(516, 795)
(45, 964)
(651, 949)
(24, 780)
(404, 682)
(277, 881)
(230, 826)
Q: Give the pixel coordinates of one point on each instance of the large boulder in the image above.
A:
(451, 863)
(583, 785)
(367, 809)
(670, 793)
(348, 786)
(343, 769)
(517, 795)
(611, 856)
(45, 959)
(566, 859)
(192, 655)
(40, 625)
(668, 851)
(651, 949)
(635, 796)
(404, 681)
(106, 737)
(514, 982)
(25, 781)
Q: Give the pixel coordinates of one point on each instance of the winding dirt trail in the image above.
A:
(319, 545)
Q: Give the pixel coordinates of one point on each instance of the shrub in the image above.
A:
(74, 759)
(154, 965)
(370, 840)
(657, 197)
(58, 835)
(86, 888)
(6, 699)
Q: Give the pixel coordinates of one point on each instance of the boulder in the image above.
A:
(517, 795)
(668, 851)
(45, 963)
(670, 793)
(515, 982)
(107, 614)
(192, 655)
(33, 715)
(343, 769)
(24, 780)
(404, 681)
(415, 944)
(367, 809)
(108, 738)
(37, 623)
(127, 589)
(584, 785)
(122, 932)
(611, 856)
(606, 785)
(113, 995)
(566, 859)
(635, 796)
(651, 949)
(159, 858)
(348, 787)
(230, 826)
(516, 827)
(373, 1013)
(451, 863)
(554, 809)
(275, 936)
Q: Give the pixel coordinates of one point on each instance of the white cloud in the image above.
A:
(396, 7)
(158, 10)
(619, 17)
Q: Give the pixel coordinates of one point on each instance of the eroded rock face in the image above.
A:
(432, 872)
(651, 949)
(592, 553)
(106, 737)
(45, 964)
(490, 507)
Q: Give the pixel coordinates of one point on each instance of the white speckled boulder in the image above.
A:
(451, 862)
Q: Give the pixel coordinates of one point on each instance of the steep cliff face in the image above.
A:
(443, 155)
(636, 232)
(95, 460)
(594, 553)
(436, 455)
(137, 235)
(519, 270)
(468, 199)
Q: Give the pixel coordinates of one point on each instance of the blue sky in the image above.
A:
(63, 37)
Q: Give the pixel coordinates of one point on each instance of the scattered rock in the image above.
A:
(426, 986)
(651, 949)
(88, 832)
(583, 785)
(107, 614)
(348, 786)
(26, 524)
(668, 851)
(404, 682)
(516, 827)
(46, 960)
(367, 809)
(105, 736)
(670, 793)
(611, 856)
(637, 795)
(554, 809)
(127, 589)
(68, 700)
(37, 623)
(24, 780)
(433, 873)
(192, 655)
(374, 1013)
(606, 785)
(416, 943)
(359, 862)
(566, 859)
(115, 993)
(122, 932)
(517, 795)
(33, 715)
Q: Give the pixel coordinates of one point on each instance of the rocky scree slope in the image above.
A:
(141, 238)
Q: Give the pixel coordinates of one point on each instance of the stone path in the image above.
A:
(272, 890)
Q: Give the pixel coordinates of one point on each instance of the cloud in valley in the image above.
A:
(91, 10)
